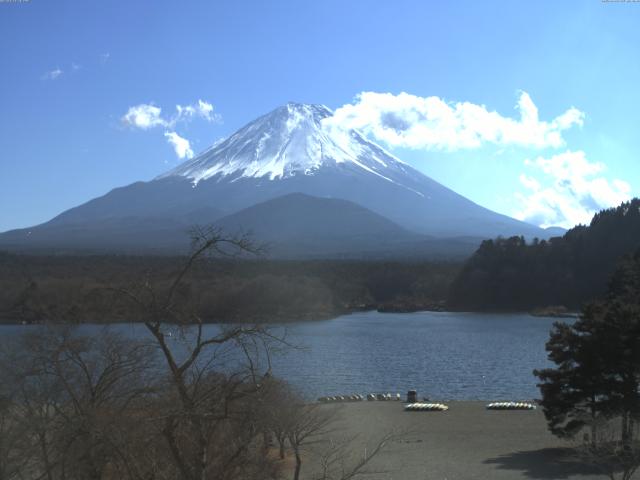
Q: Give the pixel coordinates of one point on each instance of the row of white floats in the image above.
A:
(426, 407)
(381, 397)
(511, 406)
(441, 407)
(421, 407)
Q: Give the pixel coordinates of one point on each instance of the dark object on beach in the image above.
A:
(412, 396)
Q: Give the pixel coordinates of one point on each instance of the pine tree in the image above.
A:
(572, 393)
(597, 375)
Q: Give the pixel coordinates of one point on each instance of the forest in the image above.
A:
(511, 274)
(84, 289)
(504, 274)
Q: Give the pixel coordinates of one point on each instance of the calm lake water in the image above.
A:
(448, 356)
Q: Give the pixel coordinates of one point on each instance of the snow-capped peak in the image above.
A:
(291, 140)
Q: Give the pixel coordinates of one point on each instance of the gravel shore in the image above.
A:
(466, 442)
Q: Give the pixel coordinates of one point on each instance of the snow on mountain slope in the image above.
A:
(294, 139)
(296, 148)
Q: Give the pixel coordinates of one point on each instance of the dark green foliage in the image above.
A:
(597, 373)
(572, 392)
(511, 274)
(80, 288)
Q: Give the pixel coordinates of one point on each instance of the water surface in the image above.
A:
(460, 356)
(457, 356)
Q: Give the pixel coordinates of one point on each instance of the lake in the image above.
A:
(446, 356)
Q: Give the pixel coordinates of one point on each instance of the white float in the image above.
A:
(511, 406)
(426, 407)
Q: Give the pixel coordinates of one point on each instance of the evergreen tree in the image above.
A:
(597, 375)
(572, 393)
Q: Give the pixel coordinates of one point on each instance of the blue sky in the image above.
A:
(72, 70)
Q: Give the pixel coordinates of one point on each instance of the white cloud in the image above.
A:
(181, 145)
(147, 116)
(104, 57)
(575, 193)
(53, 74)
(431, 123)
(201, 109)
(144, 116)
(206, 109)
(529, 182)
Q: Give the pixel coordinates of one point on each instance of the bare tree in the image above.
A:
(15, 452)
(211, 430)
(94, 407)
(72, 396)
(313, 431)
(337, 461)
(103, 407)
(307, 424)
(279, 402)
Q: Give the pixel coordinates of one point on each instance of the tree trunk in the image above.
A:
(203, 459)
(169, 434)
(625, 430)
(594, 427)
(45, 455)
(296, 472)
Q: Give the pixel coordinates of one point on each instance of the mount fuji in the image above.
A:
(272, 165)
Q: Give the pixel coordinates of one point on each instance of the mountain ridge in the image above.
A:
(294, 148)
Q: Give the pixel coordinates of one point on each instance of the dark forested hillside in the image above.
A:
(81, 289)
(511, 274)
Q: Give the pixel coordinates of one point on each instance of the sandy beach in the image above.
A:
(466, 442)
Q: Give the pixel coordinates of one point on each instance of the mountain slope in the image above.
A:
(299, 225)
(298, 148)
(300, 216)
(295, 148)
(291, 226)
(135, 235)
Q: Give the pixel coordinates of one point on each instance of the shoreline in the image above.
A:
(310, 319)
